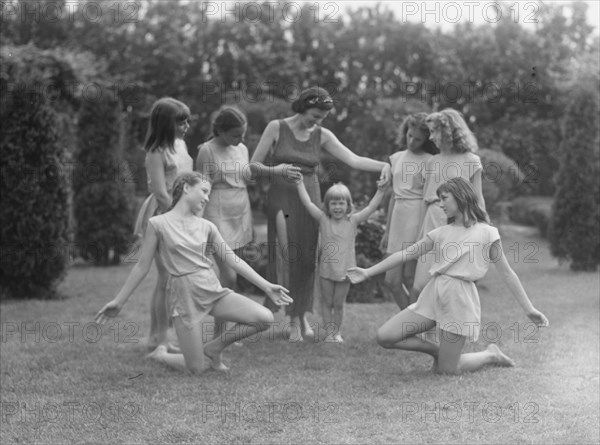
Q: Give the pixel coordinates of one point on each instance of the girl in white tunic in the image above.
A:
(185, 242)
(464, 248)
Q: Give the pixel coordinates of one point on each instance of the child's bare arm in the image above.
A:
(510, 278)
(364, 214)
(312, 209)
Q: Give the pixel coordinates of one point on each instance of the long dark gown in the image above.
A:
(302, 229)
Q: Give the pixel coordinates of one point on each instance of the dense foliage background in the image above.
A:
(513, 82)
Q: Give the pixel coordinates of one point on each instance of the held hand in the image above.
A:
(278, 294)
(110, 310)
(538, 318)
(382, 185)
(299, 180)
(289, 171)
(386, 174)
(356, 275)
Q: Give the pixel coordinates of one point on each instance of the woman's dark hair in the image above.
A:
(228, 118)
(314, 97)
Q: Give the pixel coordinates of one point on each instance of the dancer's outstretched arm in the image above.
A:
(424, 245)
(278, 294)
(137, 274)
(510, 278)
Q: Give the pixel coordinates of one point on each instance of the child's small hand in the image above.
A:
(382, 185)
(538, 318)
(110, 309)
(386, 174)
(356, 275)
(299, 179)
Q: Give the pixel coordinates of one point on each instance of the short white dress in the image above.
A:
(185, 247)
(450, 298)
(409, 207)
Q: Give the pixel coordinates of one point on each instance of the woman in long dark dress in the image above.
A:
(293, 145)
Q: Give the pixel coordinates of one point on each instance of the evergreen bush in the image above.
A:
(34, 215)
(575, 220)
(103, 185)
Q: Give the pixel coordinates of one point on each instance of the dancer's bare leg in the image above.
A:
(159, 314)
(190, 341)
(250, 318)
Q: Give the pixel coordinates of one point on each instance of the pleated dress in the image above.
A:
(409, 208)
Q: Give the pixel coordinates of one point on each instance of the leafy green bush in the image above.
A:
(532, 211)
(34, 214)
(575, 221)
(103, 184)
(501, 179)
(368, 237)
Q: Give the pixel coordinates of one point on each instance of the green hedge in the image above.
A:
(34, 215)
(104, 187)
(532, 211)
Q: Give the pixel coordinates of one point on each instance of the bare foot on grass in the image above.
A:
(501, 359)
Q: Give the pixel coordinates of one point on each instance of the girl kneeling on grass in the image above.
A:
(337, 230)
(184, 242)
(464, 248)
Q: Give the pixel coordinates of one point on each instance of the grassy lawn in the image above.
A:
(63, 381)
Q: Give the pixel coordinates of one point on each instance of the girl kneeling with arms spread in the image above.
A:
(184, 242)
(465, 247)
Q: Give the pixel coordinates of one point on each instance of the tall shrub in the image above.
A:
(103, 184)
(34, 215)
(575, 222)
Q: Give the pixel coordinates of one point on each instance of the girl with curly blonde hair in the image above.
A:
(457, 144)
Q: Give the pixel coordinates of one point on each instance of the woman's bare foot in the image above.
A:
(294, 332)
(307, 330)
(500, 358)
